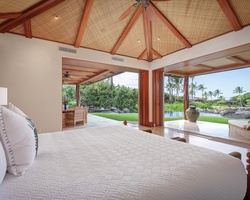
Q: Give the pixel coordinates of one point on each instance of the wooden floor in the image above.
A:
(205, 134)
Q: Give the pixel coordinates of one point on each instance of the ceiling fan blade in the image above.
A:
(151, 14)
(126, 13)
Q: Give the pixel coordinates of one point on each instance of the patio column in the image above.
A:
(158, 97)
(186, 95)
(143, 99)
(78, 96)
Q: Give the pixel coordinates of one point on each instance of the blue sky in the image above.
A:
(226, 82)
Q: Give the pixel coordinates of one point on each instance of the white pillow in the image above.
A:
(18, 141)
(3, 164)
(17, 110)
(31, 123)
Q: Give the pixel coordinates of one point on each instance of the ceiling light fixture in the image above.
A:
(56, 17)
(158, 38)
(138, 41)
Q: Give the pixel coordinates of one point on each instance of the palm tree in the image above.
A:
(170, 88)
(217, 93)
(239, 90)
(205, 95)
(193, 88)
(221, 98)
(211, 94)
(202, 88)
(177, 85)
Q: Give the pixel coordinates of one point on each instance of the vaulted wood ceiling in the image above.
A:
(95, 24)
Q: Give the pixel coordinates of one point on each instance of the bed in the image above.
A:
(119, 162)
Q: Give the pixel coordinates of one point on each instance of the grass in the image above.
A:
(133, 117)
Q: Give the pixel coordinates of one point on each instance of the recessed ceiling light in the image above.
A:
(56, 17)
(138, 41)
(159, 38)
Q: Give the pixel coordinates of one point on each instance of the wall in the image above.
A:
(31, 70)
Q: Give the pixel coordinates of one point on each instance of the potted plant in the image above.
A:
(65, 103)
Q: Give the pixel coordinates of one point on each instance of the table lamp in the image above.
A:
(3, 96)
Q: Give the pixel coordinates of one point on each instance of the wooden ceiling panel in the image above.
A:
(59, 23)
(180, 24)
(242, 10)
(196, 20)
(103, 30)
(219, 62)
(244, 56)
(9, 6)
(15, 6)
(19, 30)
(164, 41)
(134, 43)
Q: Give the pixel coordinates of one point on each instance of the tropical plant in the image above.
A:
(239, 90)
(170, 87)
(193, 89)
(178, 85)
(210, 94)
(217, 93)
(202, 88)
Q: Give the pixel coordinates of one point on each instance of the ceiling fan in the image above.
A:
(147, 7)
(67, 75)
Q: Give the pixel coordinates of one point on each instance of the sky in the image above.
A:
(226, 82)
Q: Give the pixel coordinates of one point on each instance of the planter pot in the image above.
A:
(192, 114)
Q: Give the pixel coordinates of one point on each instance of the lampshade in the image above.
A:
(3, 96)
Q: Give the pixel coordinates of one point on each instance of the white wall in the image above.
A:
(31, 70)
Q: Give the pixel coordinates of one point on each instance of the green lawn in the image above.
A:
(133, 117)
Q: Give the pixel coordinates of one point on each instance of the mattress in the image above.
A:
(120, 162)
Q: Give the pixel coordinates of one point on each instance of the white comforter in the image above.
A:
(118, 162)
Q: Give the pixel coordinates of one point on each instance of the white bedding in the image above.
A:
(119, 162)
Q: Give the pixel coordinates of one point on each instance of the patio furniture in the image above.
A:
(238, 127)
(75, 116)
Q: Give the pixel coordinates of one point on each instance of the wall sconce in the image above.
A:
(3, 96)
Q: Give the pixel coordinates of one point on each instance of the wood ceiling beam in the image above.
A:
(230, 15)
(10, 15)
(27, 29)
(156, 53)
(148, 36)
(102, 73)
(170, 26)
(78, 75)
(203, 66)
(96, 65)
(127, 29)
(213, 56)
(78, 72)
(28, 14)
(142, 55)
(84, 21)
(219, 69)
(237, 59)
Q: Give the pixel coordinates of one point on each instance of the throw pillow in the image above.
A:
(3, 164)
(18, 141)
(16, 110)
(31, 123)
